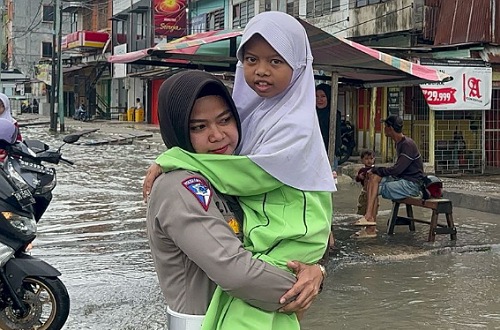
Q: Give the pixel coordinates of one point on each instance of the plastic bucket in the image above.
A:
(139, 115)
(130, 114)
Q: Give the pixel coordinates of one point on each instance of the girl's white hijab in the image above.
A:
(281, 134)
(6, 103)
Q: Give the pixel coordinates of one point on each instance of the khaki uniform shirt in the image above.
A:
(193, 244)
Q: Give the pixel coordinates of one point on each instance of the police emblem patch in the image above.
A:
(200, 190)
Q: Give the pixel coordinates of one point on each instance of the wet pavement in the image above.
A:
(94, 233)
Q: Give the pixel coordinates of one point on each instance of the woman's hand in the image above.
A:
(153, 172)
(305, 290)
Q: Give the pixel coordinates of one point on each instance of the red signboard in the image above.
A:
(170, 18)
(84, 39)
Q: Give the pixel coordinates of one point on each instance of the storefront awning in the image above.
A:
(210, 48)
(364, 65)
(354, 63)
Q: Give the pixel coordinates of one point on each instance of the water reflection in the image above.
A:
(94, 233)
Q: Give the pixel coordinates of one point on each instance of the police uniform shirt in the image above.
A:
(191, 232)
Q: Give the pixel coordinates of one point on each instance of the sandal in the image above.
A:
(364, 222)
(364, 234)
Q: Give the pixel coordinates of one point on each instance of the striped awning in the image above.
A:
(364, 65)
(354, 63)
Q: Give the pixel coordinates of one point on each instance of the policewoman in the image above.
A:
(194, 230)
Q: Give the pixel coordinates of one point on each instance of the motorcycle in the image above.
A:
(31, 294)
(348, 141)
(81, 114)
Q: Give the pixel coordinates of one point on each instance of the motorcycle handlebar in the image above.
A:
(69, 162)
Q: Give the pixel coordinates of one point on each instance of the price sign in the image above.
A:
(437, 96)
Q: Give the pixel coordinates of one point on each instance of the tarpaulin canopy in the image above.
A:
(214, 50)
(364, 65)
(352, 62)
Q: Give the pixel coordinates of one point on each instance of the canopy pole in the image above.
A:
(373, 109)
(333, 118)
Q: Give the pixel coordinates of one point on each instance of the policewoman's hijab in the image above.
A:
(6, 103)
(281, 134)
(176, 99)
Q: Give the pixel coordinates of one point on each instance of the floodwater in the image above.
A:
(94, 233)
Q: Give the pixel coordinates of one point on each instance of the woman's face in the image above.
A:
(212, 126)
(2, 108)
(321, 99)
(266, 72)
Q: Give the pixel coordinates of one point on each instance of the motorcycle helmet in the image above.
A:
(8, 132)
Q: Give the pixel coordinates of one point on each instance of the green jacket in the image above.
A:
(281, 224)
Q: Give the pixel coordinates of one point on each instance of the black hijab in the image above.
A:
(324, 113)
(324, 119)
(176, 98)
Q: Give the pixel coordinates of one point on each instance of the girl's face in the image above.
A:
(321, 99)
(266, 72)
(2, 108)
(212, 126)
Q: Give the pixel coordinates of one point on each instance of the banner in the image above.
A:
(470, 89)
(170, 18)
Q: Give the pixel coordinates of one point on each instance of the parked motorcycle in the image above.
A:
(31, 294)
(348, 141)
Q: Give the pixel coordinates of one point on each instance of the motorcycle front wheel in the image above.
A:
(345, 153)
(47, 302)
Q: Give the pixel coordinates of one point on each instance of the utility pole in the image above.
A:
(60, 88)
(2, 31)
(53, 80)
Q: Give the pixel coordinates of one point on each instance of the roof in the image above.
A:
(354, 63)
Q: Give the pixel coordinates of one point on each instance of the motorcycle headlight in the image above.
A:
(16, 177)
(22, 224)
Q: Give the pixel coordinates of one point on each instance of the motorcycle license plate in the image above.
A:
(24, 197)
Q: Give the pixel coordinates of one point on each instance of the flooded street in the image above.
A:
(94, 234)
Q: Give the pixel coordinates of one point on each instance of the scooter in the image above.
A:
(348, 141)
(81, 114)
(31, 294)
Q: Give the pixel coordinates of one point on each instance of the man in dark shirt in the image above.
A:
(396, 182)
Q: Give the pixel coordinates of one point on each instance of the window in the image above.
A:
(242, 12)
(73, 22)
(46, 49)
(292, 8)
(267, 5)
(317, 8)
(48, 13)
(361, 3)
(120, 30)
(141, 26)
(215, 20)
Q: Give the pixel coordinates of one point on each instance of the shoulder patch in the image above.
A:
(199, 188)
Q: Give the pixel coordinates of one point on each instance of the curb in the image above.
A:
(477, 202)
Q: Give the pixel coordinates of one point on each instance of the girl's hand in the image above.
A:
(305, 290)
(153, 172)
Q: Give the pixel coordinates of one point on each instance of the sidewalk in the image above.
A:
(480, 193)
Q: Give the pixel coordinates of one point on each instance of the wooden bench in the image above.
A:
(437, 206)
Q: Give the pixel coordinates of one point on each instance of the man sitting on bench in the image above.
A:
(396, 182)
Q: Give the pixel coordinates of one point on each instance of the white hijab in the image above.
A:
(281, 134)
(6, 103)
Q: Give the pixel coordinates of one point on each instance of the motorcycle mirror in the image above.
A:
(72, 138)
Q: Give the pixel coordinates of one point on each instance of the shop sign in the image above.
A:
(170, 18)
(470, 89)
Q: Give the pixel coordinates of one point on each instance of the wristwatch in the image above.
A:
(323, 272)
